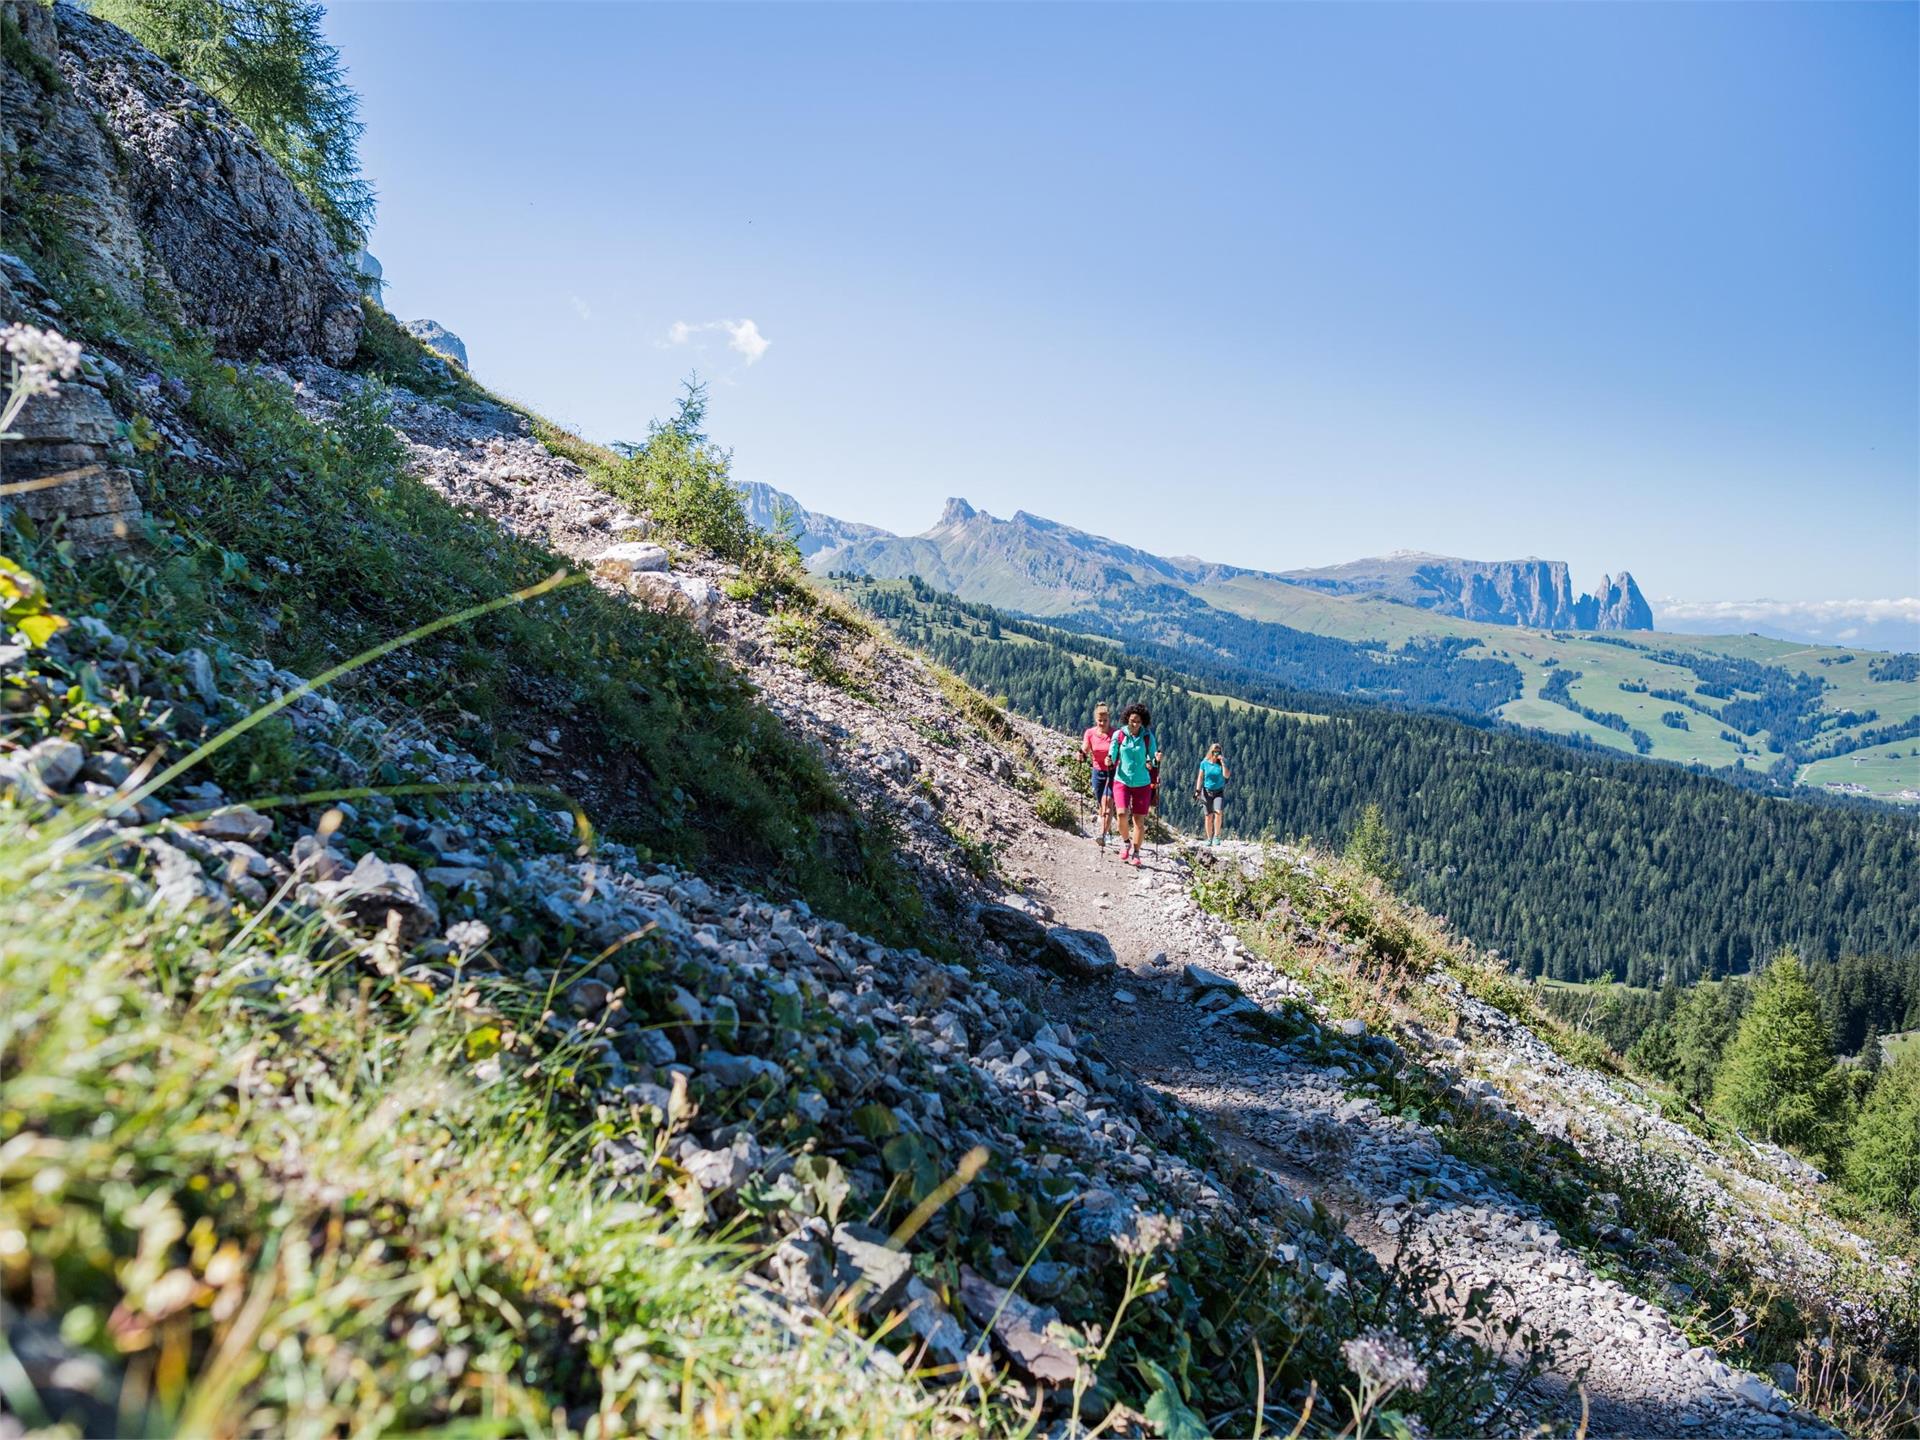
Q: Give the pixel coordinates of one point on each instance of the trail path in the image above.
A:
(1390, 1180)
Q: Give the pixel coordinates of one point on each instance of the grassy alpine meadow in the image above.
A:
(1887, 772)
(1615, 679)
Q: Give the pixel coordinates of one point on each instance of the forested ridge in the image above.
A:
(1573, 863)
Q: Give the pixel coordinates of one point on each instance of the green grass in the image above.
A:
(1053, 808)
(347, 1205)
(1894, 1046)
(1890, 771)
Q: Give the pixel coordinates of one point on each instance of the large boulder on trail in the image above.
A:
(1080, 954)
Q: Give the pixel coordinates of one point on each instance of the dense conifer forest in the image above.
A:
(1574, 863)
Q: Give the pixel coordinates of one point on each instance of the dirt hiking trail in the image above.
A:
(1389, 1180)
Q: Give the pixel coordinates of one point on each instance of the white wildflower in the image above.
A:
(468, 936)
(1385, 1363)
(40, 357)
(1148, 1235)
(40, 360)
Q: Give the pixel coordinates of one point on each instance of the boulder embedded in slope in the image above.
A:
(1015, 929)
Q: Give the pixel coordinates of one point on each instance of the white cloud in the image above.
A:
(1816, 612)
(580, 307)
(743, 336)
(747, 339)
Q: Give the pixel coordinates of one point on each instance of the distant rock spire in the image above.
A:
(1619, 605)
(958, 512)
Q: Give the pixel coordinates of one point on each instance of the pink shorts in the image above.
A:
(1137, 799)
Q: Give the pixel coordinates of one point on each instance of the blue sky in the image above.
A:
(1631, 285)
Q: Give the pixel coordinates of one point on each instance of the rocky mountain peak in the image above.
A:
(957, 512)
(1616, 605)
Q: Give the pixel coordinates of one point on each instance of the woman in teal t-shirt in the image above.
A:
(1210, 789)
(1135, 757)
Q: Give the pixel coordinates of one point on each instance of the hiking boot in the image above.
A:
(1134, 860)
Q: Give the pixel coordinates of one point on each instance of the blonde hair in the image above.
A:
(1213, 749)
(1102, 709)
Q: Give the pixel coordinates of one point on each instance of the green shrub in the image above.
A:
(1079, 772)
(1056, 810)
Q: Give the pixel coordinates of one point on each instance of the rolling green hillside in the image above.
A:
(1614, 668)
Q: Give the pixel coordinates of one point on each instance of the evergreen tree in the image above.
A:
(1778, 1076)
(683, 480)
(1870, 1050)
(1685, 1049)
(269, 62)
(1883, 1162)
(1370, 848)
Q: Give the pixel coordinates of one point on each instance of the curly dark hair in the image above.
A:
(1137, 709)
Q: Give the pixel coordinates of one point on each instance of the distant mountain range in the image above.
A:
(1509, 640)
(1041, 567)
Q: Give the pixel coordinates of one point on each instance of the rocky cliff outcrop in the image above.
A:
(157, 185)
(1617, 605)
(1535, 593)
(68, 441)
(437, 338)
(1530, 592)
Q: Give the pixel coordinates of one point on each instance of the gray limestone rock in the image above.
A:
(169, 190)
(437, 338)
(1201, 979)
(376, 889)
(236, 822)
(1082, 954)
(874, 1273)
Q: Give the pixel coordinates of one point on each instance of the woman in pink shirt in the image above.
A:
(1094, 745)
